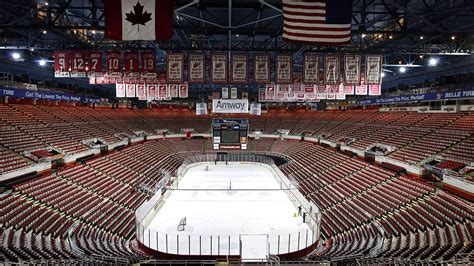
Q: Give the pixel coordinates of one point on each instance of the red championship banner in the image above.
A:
(341, 95)
(183, 90)
(311, 68)
(113, 62)
(163, 91)
(284, 68)
(270, 92)
(130, 90)
(375, 90)
(196, 68)
(120, 90)
(373, 69)
(94, 63)
(361, 89)
(61, 64)
(78, 64)
(174, 67)
(173, 88)
(261, 95)
(148, 64)
(130, 60)
(151, 90)
(239, 70)
(261, 68)
(141, 91)
(218, 67)
(332, 69)
(352, 69)
(300, 96)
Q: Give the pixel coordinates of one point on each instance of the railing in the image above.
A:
(186, 243)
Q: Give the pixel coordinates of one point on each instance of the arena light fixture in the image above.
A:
(42, 62)
(433, 61)
(402, 69)
(383, 74)
(16, 56)
(421, 37)
(453, 37)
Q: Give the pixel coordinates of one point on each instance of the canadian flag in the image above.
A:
(138, 19)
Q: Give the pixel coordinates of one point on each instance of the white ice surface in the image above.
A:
(254, 210)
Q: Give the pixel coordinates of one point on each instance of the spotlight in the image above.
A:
(93, 31)
(32, 49)
(433, 62)
(421, 56)
(46, 3)
(403, 69)
(42, 62)
(45, 31)
(453, 37)
(383, 74)
(16, 56)
(363, 35)
(400, 62)
(390, 37)
(421, 37)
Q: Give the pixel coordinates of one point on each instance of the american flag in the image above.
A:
(325, 22)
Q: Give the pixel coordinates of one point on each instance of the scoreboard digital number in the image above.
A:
(230, 134)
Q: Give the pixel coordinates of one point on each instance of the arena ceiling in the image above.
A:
(403, 30)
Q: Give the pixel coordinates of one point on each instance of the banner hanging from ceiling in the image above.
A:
(373, 69)
(239, 71)
(196, 67)
(332, 69)
(284, 67)
(352, 69)
(310, 68)
(95, 63)
(148, 64)
(218, 67)
(61, 64)
(174, 67)
(113, 64)
(261, 68)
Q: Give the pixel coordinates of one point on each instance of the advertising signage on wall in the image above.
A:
(451, 95)
(46, 95)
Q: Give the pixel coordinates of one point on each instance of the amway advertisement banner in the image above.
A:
(231, 106)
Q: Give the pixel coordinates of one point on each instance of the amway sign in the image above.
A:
(230, 106)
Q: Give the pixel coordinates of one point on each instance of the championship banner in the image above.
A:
(321, 91)
(349, 89)
(113, 64)
(148, 64)
(332, 90)
(332, 69)
(120, 90)
(163, 91)
(218, 67)
(311, 68)
(183, 90)
(173, 90)
(261, 95)
(361, 89)
(151, 91)
(341, 95)
(196, 68)
(300, 96)
(78, 64)
(174, 67)
(95, 63)
(280, 96)
(141, 91)
(261, 68)
(233, 93)
(283, 88)
(270, 92)
(130, 90)
(61, 64)
(290, 96)
(231, 106)
(309, 88)
(284, 67)
(131, 64)
(239, 68)
(225, 93)
(352, 69)
(375, 90)
(373, 69)
(297, 87)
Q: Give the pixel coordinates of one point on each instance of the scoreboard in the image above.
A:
(230, 134)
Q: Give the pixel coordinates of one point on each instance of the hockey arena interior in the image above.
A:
(238, 132)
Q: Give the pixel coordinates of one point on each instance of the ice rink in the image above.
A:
(236, 202)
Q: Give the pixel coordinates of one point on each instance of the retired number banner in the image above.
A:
(219, 68)
(373, 69)
(196, 68)
(131, 64)
(174, 67)
(332, 69)
(114, 64)
(239, 68)
(311, 69)
(148, 64)
(61, 64)
(261, 68)
(352, 69)
(284, 66)
(95, 63)
(78, 64)
(183, 90)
